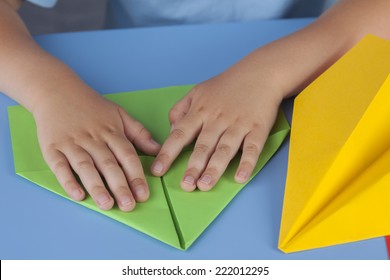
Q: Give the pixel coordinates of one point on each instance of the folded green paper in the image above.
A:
(170, 215)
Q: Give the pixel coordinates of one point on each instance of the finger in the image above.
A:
(139, 135)
(204, 147)
(252, 147)
(61, 169)
(183, 134)
(131, 165)
(83, 165)
(180, 109)
(225, 150)
(108, 166)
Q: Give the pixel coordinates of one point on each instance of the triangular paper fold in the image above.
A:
(170, 215)
(194, 213)
(337, 187)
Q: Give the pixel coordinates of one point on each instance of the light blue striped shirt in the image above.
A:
(136, 13)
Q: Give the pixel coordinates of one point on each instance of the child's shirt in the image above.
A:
(137, 13)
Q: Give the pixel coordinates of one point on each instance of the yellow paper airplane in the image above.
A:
(338, 180)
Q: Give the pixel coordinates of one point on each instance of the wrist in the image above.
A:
(261, 76)
(63, 96)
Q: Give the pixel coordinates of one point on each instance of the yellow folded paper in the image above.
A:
(338, 181)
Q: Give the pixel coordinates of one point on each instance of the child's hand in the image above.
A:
(94, 137)
(235, 109)
(77, 129)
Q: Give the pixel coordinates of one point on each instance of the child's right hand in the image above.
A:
(78, 130)
(94, 137)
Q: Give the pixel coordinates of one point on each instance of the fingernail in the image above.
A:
(77, 194)
(189, 180)
(154, 142)
(242, 176)
(140, 192)
(103, 199)
(172, 126)
(157, 167)
(205, 179)
(125, 201)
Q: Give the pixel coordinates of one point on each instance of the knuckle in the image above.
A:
(247, 165)
(199, 109)
(138, 126)
(195, 89)
(256, 126)
(171, 117)
(173, 112)
(178, 133)
(52, 146)
(109, 163)
(70, 185)
(192, 171)
(144, 133)
(224, 149)
(122, 190)
(137, 181)
(129, 156)
(110, 130)
(201, 148)
(252, 149)
(137, 129)
(163, 157)
(94, 190)
(106, 133)
(59, 165)
(219, 115)
(89, 135)
(260, 129)
(84, 164)
(213, 170)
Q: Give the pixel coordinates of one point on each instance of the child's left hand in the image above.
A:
(234, 109)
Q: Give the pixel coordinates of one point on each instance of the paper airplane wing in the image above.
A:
(337, 187)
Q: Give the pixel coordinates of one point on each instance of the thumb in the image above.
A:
(138, 134)
(180, 109)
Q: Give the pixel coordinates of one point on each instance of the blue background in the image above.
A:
(36, 224)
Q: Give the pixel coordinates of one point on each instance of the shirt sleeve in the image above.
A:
(44, 3)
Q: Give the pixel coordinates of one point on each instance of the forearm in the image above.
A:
(27, 73)
(292, 62)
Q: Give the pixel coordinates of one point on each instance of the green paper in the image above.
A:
(170, 215)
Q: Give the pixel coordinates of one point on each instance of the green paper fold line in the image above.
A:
(170, 215)
(174, 218)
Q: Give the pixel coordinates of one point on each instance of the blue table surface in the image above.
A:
(36, 224)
